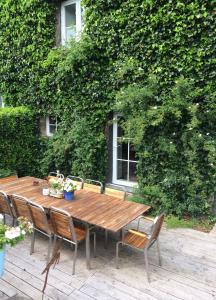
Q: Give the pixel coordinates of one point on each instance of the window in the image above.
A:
(71, 20)
(51, 125)
(124, 158)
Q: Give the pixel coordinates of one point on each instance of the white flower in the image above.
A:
(23, 232)
(154, 107)
(69, 185)
(13, 233)
(207, 133)
(1, 218)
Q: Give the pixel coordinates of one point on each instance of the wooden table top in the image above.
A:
(97, 209)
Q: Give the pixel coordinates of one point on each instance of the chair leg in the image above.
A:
(146, 264)
(159, 254)
(49, 248)
(13, 221)
(106, 239)
(4, 219)
(32, 242)
(94, 249)
(117, 254)
(54, 241)
(88, 250)
(74, 259)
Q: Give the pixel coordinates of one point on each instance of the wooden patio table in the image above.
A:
(101, 210)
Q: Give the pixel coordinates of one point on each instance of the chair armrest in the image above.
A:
(144, 218)
(138, 233)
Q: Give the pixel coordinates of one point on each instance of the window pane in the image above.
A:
(122, 170)
(52, 120)
(122, 151)
(70, 15)
(70, 32)
(132, 171)
(52, 128)
(82, 16)
(132, 154)
(120, 131)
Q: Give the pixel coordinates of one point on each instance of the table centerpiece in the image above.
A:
(69, 188)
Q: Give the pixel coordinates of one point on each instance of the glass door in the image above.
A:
(124, 157)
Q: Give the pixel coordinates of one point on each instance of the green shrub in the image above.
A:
(175, 139)
(19, 141)
(6, 172)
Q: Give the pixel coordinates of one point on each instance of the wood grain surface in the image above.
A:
(105, 211)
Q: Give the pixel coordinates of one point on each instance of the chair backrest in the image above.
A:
(78, 181)
(115, 193)
(8, 179)
(38, 217)
(62, 223)
(20, 207)
(5, 204)
(156, 228)
(93, 186)
(55, 174)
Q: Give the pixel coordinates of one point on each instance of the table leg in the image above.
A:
(88, 247)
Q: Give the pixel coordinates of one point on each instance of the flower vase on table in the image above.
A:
(68, 195)
(11, 236)
(56, 187)
(69, 189)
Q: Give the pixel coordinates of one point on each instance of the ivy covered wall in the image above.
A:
(27, 32)
(20, 146)
(124, 45)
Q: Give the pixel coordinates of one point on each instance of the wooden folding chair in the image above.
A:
(115, 192)
(20, 208)
(63, 227)
(40, 224)
(54, 175)
(93, 186)
(142, 241)
(6, 206)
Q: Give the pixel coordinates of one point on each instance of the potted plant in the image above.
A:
(69, 189)
(11, 236)
(56, 187)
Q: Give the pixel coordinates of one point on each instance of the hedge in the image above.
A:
(19, 141)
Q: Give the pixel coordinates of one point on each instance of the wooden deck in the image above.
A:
(188, 271)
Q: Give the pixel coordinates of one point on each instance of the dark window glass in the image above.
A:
(122, 151)
(132, 154)
(132, 171)
(70, 15)
(122, 170)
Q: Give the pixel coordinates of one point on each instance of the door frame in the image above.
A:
(115, 153)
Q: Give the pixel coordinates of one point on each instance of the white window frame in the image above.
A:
(115, 158)
(78, 19)
(48, 133)
(2, 102)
